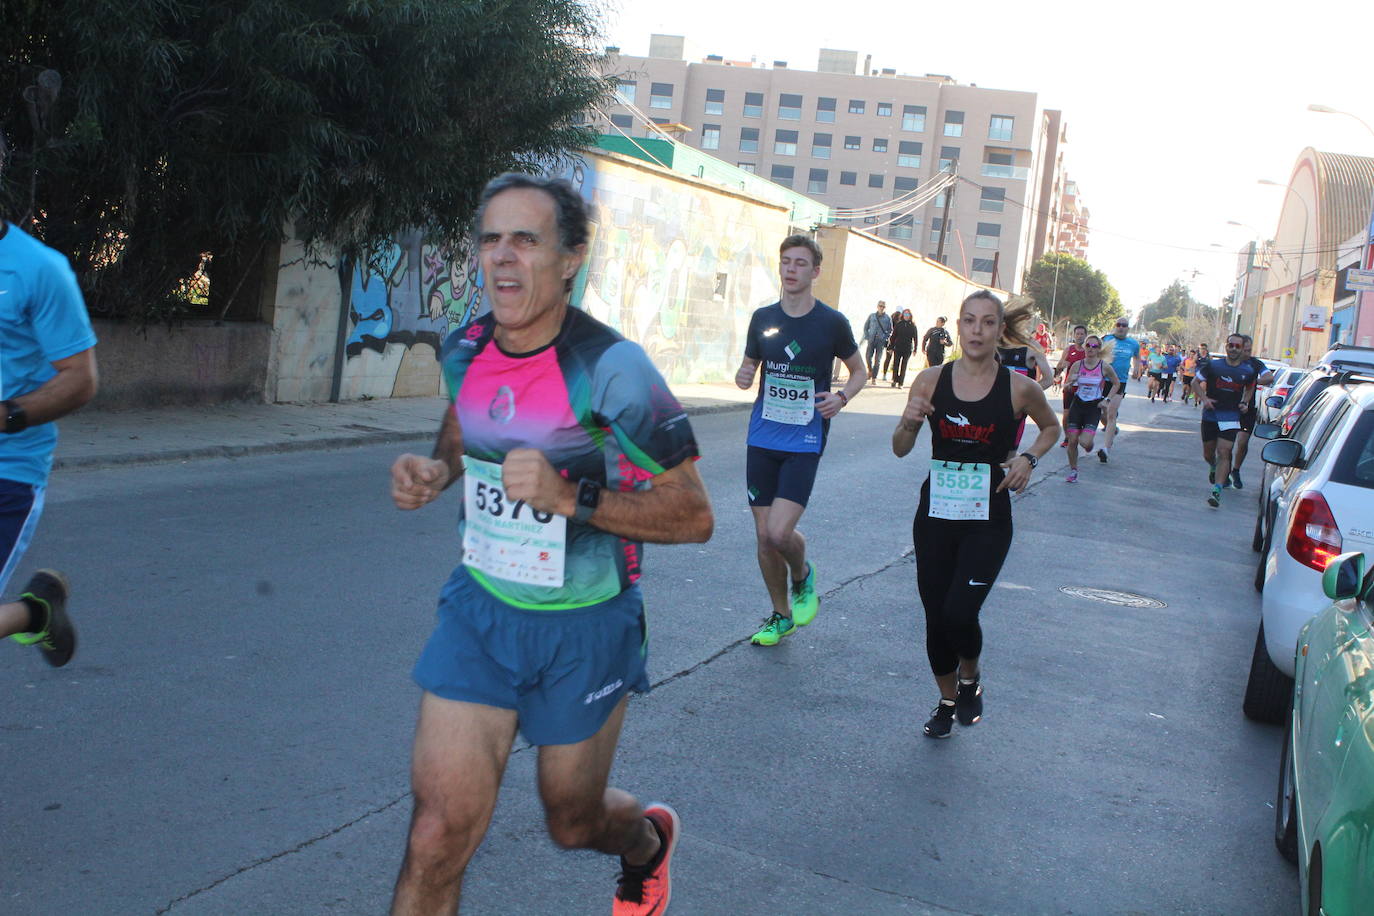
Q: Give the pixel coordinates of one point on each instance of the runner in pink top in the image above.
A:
(1091, 381)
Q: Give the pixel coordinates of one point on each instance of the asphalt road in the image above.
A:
(233, 736)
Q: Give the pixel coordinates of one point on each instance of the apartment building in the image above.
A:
(1073, 222)
(856, 137)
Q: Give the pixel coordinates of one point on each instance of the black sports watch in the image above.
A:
(16, 420)
(1031, 458)
(588, 498)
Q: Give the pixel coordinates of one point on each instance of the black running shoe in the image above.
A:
(57, 639)
(1235, 480)
(941, 721)
(968, 703)
(1102, 455)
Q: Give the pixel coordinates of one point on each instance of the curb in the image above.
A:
(284, 446)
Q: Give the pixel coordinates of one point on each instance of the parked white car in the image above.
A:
(1285, 378)
(1321, 504)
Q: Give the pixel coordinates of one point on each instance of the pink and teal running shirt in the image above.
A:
(597, 408)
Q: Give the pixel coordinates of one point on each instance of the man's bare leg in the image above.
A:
(460, 754)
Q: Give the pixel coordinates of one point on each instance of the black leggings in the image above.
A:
(956, 566)
(899, 361)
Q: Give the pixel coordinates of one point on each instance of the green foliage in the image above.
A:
(1173, 329)
(186, 127)
(1079, 294)
(1174, 299)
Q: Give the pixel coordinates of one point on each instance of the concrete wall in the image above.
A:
(675, 264)
(859, 269)
(192, 363)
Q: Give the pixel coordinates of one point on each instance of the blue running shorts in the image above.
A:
(563, 672)
(20, 506)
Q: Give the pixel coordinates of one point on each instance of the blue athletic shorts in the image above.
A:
(770, 474)
(563, 672)
(20, 506)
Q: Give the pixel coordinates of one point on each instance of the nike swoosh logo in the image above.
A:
(971, 582)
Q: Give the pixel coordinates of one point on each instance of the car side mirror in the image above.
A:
(1286, 453)
(1266, 431)
(1344, 576)
(1273, 401)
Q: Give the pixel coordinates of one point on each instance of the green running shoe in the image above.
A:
(805, 602)
(774, 629)
(1215, 499)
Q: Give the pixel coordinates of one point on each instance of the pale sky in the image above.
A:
(1175, 109)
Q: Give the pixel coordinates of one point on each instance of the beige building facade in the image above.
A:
(854, 137)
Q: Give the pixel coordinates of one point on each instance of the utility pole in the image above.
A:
(944, 220)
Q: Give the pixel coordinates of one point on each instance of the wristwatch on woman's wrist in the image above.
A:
(1031, 458)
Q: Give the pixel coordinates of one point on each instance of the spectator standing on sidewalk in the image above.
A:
(47, 370)
(570, 451)
(902, 343)
(934, 343)
(877, 331)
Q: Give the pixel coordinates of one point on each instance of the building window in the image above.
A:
(748, 139)
(901, 228)
(875, 180)
(749, 167)
(753, 104)
(1000, 127)
(624, 122)
(856, 106)
(625, 91)
(785, 143)
(710, 136)
(660, 95)
(939, 202)
(884, 109)
(715, 101)
(782, 174)
(789, 107)
(936, 225)
(948, 156)
(993, 200)
(909, 154)
(853, 142)
(820, 146)
(954, 124)
(997, 163)
(903, 183)
(849, 179)
(879, 145)
(817, 181)
(825, 111)
(982, 270)
(989, 236)
(914, 118)
(870, 220)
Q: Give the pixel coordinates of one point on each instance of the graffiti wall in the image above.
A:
(675, 265)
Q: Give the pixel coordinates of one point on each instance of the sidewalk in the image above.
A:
(103, 438)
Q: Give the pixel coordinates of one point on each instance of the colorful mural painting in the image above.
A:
(672, 264)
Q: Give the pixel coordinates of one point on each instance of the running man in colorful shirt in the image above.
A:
(1223, 388)
(570, 451)
(47, 370)
(796, 340)
(1123, 353)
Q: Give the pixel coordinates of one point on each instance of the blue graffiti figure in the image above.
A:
(369, 304)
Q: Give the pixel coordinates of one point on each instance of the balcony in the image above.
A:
(992, 170)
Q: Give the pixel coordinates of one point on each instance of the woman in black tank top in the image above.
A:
(963, 528)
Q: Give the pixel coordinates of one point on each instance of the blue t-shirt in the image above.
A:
(1124, 352)
(796, 355)
(1226, 385)
(1171, 363)
(42, 320)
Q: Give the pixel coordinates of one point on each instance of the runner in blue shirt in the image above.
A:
(1172, 362)
(1123, 353)
(796, 341)
(1223, 388)
(47, 370)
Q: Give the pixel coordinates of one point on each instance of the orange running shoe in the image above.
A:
(644, 890)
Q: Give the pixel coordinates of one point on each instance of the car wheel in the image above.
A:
(1314, 884)
(1267, 690)
(1286, 804)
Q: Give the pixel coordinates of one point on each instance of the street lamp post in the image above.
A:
(1302, 250)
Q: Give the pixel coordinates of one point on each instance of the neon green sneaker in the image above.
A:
(774, 629)
(805, 602)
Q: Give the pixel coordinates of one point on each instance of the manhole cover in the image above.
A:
(1122, 599)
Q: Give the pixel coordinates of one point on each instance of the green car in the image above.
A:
(1325, 807)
